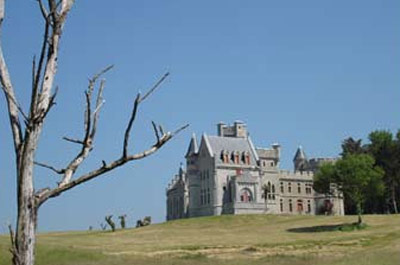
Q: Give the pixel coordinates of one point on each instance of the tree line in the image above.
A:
(368, 174)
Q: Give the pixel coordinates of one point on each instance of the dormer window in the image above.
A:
(246, 158)
(235, 157)
(225, 156)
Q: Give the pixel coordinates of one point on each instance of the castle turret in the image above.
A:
(193, 147)
(300, 160)
(181, 173)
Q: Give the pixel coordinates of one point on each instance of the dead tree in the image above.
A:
(26, 128)
(103, 226)
(122, 219)
(110, 222)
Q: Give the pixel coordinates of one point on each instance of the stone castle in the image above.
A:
(226, 174)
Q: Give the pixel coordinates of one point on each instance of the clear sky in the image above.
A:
(306, 72)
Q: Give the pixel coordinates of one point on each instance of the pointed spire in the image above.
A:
(181, 171)
(300, 155)
(193, 148)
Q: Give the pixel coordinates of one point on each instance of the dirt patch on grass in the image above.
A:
(259, 251)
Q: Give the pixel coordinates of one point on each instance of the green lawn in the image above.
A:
(245, 239)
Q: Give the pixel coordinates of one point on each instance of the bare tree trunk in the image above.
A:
(359, 212)
(25, 237)
(394, 200)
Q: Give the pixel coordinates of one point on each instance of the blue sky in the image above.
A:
(298, 72)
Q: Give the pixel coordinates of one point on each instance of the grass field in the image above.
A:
(234, 240)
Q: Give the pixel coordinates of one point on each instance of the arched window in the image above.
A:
(299, 187)
(282, 189)
(290, 206)
(289, 187)
(245, 195)
(281, 205)
(309, 206)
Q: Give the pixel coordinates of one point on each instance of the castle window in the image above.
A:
(269, 190)
(282, 189)
(308, 188)
(246, 196)
(308, 206)
(208, 196)
(246, 158)
(298, 187)
(300, 206)
(290, 206)
(289, 187)
(225, 156)
(281, 205)
(235, 157)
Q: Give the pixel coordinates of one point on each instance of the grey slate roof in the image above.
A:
(217, 144)
(267, 153)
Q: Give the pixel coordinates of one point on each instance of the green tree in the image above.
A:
(351, 147)
(355, 176)
(386, 151)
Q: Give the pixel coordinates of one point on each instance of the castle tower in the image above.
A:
(300, 160)
(238, 129)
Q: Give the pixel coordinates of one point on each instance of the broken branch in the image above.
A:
(58, 171)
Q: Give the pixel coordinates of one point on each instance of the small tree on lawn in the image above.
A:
(354, 175)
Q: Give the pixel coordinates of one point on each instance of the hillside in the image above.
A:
(246, 239)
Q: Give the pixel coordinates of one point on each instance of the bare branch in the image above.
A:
(96, 112)
(88, 93)
(65, 7)
(73, 140)
(138, 100)
(130, 123)
(8, 89)
(156, 131)
(90, 127)
(179, 130)
(50, 68)
(13, 248)
(36, 75)
(159, 82)
(161, 129)
(102, 72)
(58, 171)
(105, 168)
(88, 119)
(43, 10)
(20, 110)
(52, 102)
(11, 231)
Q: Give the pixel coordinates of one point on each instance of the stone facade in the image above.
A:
(226, 174)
